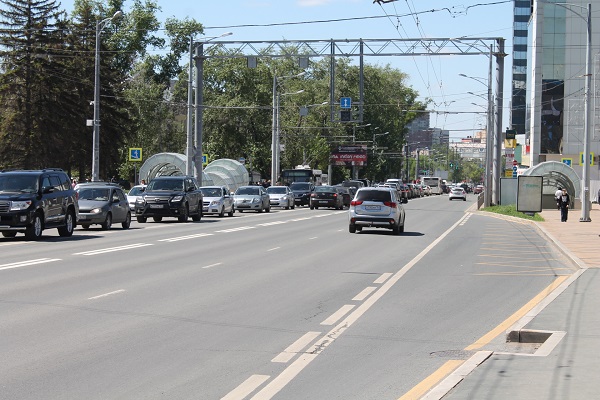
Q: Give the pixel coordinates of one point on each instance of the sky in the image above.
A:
(435, 77)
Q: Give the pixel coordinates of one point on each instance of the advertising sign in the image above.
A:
(349, 155)
(529, 193)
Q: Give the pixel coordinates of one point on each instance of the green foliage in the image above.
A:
(511, 210)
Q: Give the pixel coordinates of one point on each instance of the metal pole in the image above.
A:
(275, 177)
(585, 190)
(189, 169)
(417, 166)
(487, 192)
(96, 141)
(274, 130)
(499, 108)
(199, 110)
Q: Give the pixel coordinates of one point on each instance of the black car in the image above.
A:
(302, 191)
(31, 201)
(347, 194)
(170, 196)
(326, 196)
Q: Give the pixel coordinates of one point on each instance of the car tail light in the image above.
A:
(313, 195)
(356, 202)
(334, 195)
(390, 204)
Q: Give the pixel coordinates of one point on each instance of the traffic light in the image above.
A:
(451, 165)
(345, 116)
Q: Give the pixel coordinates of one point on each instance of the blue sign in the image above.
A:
(346, 102)
(135, 154)
(514, 171)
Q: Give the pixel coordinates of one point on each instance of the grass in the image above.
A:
(512, 211)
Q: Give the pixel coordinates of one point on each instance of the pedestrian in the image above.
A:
(563, 205)
(557, 196)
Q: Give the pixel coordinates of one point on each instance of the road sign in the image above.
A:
(515, 163)
(346, 102)
(204, 159)
(135, 154)
(568, 161)
(514, 174)
(345, 115)
(581, 158)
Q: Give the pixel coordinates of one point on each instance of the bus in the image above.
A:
(434, 182)
(302, 173)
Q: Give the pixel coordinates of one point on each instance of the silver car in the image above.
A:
(252, 198)
(377, 207)
(217, 200)
(281, 196)
(135, 193)
(103, 204)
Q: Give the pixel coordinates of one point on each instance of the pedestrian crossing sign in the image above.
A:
(581, 158)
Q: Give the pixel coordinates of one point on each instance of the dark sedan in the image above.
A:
(326, 196)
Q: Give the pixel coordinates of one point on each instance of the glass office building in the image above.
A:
(522, 12)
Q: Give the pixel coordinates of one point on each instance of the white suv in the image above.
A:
(377, 207)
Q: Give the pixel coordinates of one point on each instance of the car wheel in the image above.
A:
(293, 205)
(9, 234)
(127, 223)
(107, 222)
(287, 206)
(67, 229)
(185, 215)
(241, 211)
(260, 210)
(34, 231)
(352, 228)
(198, 216)
(141, 220)
(156, 219)
(312, 208)
(396, 229)
(230, 214)
(465, 199)
(268, 209)
(222, 212)
(359, 229)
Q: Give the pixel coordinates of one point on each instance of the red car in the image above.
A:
(478, 189)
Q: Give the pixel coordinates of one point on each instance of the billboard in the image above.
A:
(553, 92)
(349, 155)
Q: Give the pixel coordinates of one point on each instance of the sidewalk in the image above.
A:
(566, 365)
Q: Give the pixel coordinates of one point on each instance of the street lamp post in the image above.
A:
(96, 139)
(197, 151)
(275, 150)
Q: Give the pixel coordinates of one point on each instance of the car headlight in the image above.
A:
(96, 211)
(215, 202)
(20, 205)
(140, 201)
(255, 200)
(177, 198)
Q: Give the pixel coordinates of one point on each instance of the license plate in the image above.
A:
(156, 206)
(372, 207)
(323, 201)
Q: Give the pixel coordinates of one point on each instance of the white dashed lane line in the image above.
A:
(112, 249)
(27, 263)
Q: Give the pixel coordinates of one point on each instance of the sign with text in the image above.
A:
(349, 155)
(529, 193)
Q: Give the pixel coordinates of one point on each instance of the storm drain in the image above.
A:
(527, 342)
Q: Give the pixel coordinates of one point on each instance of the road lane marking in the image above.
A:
(175, 239)
(338, 314)
(384, 277)
(288, 374)
(301, 219)
(241, 228)
(274, 248)
(313, 238)
(272, 223)
(112, 249)
(366, 292)
(106, 294)
(295, 347)
(212, 265)
(502, 327)
(426, 384)
(27, 263)
(246, 387)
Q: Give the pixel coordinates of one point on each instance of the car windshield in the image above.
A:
(211, 192)
(136, 191)
(324, 189)
(18, 183)
(373, 195)
(165, 184)
(276, 190)
(248, 191)
(96, 194)
(300, 186)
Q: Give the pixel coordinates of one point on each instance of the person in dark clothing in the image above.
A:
(563, 204)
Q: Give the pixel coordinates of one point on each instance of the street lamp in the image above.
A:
(277, 145)
(194, 155)
(489, 142)
(96, 136)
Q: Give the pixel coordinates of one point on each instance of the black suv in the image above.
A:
(31, 201)
(302, 192)
(170, 196)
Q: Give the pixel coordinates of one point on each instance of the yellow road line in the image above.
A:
(426, 384)
(488, 337)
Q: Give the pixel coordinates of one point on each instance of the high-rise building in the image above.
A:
(522, 12)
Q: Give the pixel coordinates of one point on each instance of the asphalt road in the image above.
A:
(284, 305)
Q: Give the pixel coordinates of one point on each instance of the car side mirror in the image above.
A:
(48, 189)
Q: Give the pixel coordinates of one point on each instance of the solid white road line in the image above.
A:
(106, 294)
(272, 223)
(241, 228)
(338, 314)
(295, 347)
(274, 248)
(27, 263)
(246, 387)
(111, 249)
(212, 265)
